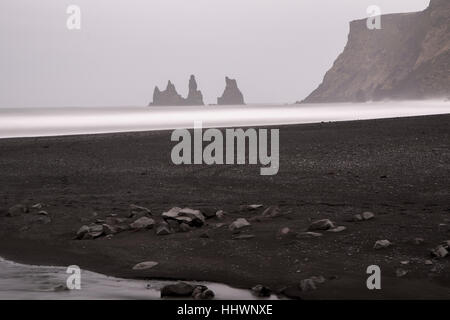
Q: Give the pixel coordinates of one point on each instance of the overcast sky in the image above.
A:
(278, 50)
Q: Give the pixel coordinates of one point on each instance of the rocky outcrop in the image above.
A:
(409, 58)
(232, 95)
(170, 96)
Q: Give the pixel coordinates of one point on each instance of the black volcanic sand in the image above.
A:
(397, 168)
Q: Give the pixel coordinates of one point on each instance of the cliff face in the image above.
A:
(232, 95)
(409, 58)
(170, 96)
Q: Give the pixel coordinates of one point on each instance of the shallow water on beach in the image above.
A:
(19, 281)
(32, 122)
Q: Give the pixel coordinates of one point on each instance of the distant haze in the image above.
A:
(278, 50)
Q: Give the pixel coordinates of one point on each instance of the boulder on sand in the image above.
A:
(179, 289)
(17, 210)
(163, 229)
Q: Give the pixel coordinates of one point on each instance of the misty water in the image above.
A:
(32, 122)
(19, 281)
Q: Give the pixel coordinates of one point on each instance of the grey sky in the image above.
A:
(278, 50)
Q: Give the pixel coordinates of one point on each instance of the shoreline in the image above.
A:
(396, 168)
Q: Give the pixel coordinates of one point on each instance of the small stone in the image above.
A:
(401, 273)
(172, 213)
(405, 262)
(323, 224)
(184, 227)
(368, 215)
(381, 244)
(204, 235)
(37, 206)
(307, 235)
(261, 291)
(220, 214)
(145, 265)
(418, 241)
(428, 262)
(109, 230)
(244, 237)
(239, 224)
(286, 233)
(143, 223)
(357, 218)
(43, 213)
(163, 229)
(307, 285)
(250, 207)
(337, 229)
(82, 232)
(137, 210)
(42, 220)
(207, 295)
(17, 210)
(271, 212)
(439, 252)
(60, 288)
(196, 216)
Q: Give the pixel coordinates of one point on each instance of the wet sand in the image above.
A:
(397, 168)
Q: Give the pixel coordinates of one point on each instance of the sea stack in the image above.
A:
(195, 97)
(170, 96)
(232, 95)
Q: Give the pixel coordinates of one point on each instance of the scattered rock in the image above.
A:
(202, 293)
(271, 212)
(418, 241)
(307, 235)
(220, 214)
(239, 224)
(137, 210)
(261, 291)
(286, 233)
(441, 251)
(184, 227)
(243, 237)
(145, 265)
(37, 206)
(109, 230)
(209, 213)
(381, 244)
(324, 224)
(143, 223)
(17, 210)
(82, 232)
(163, 229)
(357, 218)
(179, 289)
(368, 215)
(428, 262)
(250, 207)
(401, 273)
(43, 213)
(337, 229)
(197, 218)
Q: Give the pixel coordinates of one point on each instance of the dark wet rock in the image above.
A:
(41, 220)
(43, 213)
(143, 223)
(170, 96)
(179, 289)
(239, 224)
(232, 95)
(60, 288)
(37, 206)
(220, 214)
(261, 291)
(174, 225)
(202, 293)
(381, 244)
(163, 229)
(145, 265)
(92, 231)
(109, 230)
(186, 215)
(324, 224)
(17, 210)
(209, 213)
(82, 232)
(293, 292)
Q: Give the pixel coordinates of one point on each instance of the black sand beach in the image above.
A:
(399, 169)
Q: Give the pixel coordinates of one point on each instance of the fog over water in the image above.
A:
(31, 122)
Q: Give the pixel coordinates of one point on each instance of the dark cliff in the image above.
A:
(232, 95)
(409, 58)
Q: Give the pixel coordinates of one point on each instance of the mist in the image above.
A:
(278, 50)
